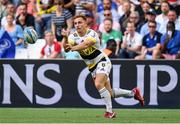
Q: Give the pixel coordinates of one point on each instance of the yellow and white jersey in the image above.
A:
(91, 55)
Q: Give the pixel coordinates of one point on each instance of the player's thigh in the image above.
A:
(102, 73)
(100, 80)
(103, 67)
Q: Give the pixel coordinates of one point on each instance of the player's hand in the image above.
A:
(67, 47)
(65, 33)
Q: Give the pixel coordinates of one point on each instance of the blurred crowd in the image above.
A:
(128, 29)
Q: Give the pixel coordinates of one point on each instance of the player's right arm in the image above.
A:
(84, 45)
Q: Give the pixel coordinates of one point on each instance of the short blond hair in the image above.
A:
(80, 16)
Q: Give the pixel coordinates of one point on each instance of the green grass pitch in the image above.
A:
(83, 115)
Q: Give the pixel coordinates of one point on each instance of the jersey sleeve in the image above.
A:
(92, 36)
(71, 39)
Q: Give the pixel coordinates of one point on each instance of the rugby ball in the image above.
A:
(30, 35)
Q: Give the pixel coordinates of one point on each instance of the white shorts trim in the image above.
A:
(102, 67)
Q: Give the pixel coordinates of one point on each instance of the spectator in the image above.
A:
(107, 5)
(169, 45)
(61, 19)
(139, 7)
(158, 6)
(70, 5)
(150, 16)
(45, 8)
(145, 7)
(51, 49)
(10, 10)
(125, 17)
(15, 31)
(23, 18)
(108, 14)
(91, 21)
(30, 5)
(111, 34)
(3, 7)
(153, 4)
(142, 9)
(172, 16)
(110, 49)
(162, 19)
(84, 6)
(132, 42)
(120, 8)
(149, 41)
(134, 17)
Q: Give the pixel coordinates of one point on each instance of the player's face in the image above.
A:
(80, 24)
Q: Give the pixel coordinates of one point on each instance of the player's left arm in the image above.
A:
(89, 41)
(65, 43)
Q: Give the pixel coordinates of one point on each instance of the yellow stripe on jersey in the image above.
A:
(91, 65)
(70, 41)
(88, 51)
(91, 39)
